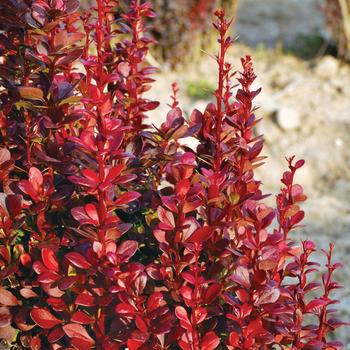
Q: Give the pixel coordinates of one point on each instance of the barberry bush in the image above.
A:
(114, 235)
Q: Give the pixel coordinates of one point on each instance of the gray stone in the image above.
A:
(288, 118)
(327, 67)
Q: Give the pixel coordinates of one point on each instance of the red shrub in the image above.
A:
(113, 235)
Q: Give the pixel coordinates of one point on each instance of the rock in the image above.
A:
(327, 67)
(288, 118)
(270, 21)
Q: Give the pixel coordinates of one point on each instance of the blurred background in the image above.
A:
(301, 50)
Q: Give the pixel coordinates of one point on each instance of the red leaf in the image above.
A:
(49, 259)
(81, 317)
(85, 299)
(154, 301)
(44, 318)
(80, 344)
(77, 331)
(134, 344)
(78, 260)
(212, 292)
(200, 235)
(91, 211)
(126, 198)
(48, 277)
(114, 172)
(55, 335)
(35, 343)
(124, 308)
(141, 324)
(210, 341)
(7, 298)
(126, 250)
(182, 187)
(181, 314)
(166, 218)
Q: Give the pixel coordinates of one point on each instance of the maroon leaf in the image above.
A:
(14, 204)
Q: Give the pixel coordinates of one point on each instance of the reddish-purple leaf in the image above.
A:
(241, 276)
(77, 331)
(126, 250)
(315, 305)
(167, 221)
(35, 178)
(268, 296)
